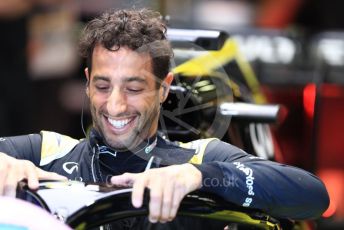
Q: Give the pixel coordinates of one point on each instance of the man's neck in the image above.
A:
(146, 145)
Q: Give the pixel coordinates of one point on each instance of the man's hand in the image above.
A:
(12, 171)
(167, 185)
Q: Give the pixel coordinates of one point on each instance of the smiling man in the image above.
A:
(128, 78)
(125, 97)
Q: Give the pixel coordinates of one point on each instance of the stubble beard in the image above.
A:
(136, 136)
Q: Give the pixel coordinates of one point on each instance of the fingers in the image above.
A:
(125, 180)
(137, 181)
(155, 201)
(164, 201)
(32, 177)
(156, 186)
(177, 198)
(167, 187)
(12, 179)
(167, 203)
(3, 176)
(12, 171)
(138, 191)
(44, 175)
(16, 170)
(164, 197)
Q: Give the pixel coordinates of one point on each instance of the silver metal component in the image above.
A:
(261, 139)
(190, 35)
(251, 112)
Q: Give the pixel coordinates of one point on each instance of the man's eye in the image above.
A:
(134, 90)
(102, 88)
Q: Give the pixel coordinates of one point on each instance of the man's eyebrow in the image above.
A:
(136, 78)
(100, 78)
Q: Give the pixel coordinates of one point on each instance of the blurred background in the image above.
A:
(296, 48)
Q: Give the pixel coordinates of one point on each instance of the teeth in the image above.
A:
(118, 123)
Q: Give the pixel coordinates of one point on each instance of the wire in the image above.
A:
(82, 116)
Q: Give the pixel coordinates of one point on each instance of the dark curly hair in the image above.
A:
(140, 30)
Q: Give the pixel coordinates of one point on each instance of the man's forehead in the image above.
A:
(133, 64)
(123, 54)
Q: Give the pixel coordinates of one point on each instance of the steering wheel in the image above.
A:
(88, 205)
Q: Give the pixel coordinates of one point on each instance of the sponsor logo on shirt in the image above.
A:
(249, 182)
(70, 167)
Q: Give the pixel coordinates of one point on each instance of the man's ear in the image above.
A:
(88, 81)
(165, 87)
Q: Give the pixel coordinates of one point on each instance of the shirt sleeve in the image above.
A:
(279, 190)
(26, 147)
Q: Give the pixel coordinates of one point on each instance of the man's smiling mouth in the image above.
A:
(120, 123)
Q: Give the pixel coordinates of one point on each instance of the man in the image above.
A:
(128, 60)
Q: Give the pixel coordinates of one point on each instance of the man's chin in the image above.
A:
(124, 144)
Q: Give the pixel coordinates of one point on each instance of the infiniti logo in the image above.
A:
(69, 167)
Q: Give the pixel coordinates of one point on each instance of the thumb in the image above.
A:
(125, 180)
(44, 175)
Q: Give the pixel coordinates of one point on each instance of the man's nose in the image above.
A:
(117, 102)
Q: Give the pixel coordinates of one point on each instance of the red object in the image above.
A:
(309, 93)
(333, 180)
(277, 13)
